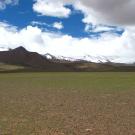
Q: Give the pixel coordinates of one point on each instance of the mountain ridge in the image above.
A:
(34, 61)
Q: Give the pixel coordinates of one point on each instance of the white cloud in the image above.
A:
(101, 28)
(34, 39)
(4, 3)
(36, 23)
(116, 12)
(58, 25)
(97, 28)
(51, 8)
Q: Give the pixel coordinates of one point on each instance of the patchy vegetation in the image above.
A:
(67, 103)
(9, 67)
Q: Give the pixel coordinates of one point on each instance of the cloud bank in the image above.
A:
(34, 39)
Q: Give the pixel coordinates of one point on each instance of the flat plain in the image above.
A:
(94, 103)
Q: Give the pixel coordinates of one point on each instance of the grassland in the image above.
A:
(7, 67)
(67, 103)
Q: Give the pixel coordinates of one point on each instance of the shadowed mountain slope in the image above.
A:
(33, 60)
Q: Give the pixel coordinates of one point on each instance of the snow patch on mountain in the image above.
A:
(89, 58)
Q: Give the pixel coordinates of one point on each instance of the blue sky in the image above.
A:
(22, 15)
(70, 28)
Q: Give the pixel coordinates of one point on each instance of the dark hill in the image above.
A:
(20, 56)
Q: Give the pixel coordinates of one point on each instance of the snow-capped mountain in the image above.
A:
(89, 58)
(49, 56)
(33, 61)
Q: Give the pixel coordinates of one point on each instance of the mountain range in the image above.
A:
(32, 61)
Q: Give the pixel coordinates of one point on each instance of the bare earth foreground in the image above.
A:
(67, 104)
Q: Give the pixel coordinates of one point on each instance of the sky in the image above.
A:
(71, 28)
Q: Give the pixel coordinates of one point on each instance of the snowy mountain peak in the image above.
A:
(89, 58)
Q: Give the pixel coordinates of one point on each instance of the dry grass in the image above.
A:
(67, 104)
(8, 67)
